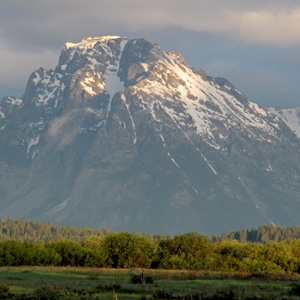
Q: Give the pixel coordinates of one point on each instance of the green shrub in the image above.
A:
(162, 294)
(141, 279)
(50, 292)
(126, 250)
(295, 289)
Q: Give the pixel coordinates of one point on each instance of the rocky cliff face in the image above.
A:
(125, 136)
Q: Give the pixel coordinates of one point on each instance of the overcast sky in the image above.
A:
(255, 44)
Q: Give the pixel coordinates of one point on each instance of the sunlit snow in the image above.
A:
(204, 101)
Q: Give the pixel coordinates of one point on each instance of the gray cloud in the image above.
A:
(64, 129)
(32, 32)
(37, 24)
(16, 66)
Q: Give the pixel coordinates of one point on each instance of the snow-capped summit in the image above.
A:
(89, 42)
(125, 135)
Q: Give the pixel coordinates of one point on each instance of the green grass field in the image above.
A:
(88, 283)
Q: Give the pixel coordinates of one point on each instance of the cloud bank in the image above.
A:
(32, 32)
(33, 24)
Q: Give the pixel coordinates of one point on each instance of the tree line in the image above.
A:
(35, 231)
(263, 234)
(269, 248)
(190, 251)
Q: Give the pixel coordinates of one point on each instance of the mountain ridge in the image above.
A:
(124, 135)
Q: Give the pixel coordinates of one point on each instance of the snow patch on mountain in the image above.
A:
(262, 111)
(173, 160)
(32, 142)
(89, 42)
(88, 47)
(269, 168)
(113, 84)
(168, 153)
(131, 118)
(15, 101)
(2, 115)
(37, 78)
(48, 86)
(57, 208)
(92, 83)
(290, 116)
(37, 125)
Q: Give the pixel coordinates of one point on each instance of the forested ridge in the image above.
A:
(263, 234)
(36, 243)
(35, 231)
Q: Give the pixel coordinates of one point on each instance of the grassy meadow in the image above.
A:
(92, 283)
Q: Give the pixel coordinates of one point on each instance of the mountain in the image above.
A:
(126, 136)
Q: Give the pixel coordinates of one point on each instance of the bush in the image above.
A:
(162, 294)
(125, 250)
(4, 292)
(141, 279)
(261, 275)
(295, 289)
(50, 292)
(112, 286)
(70, 252)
